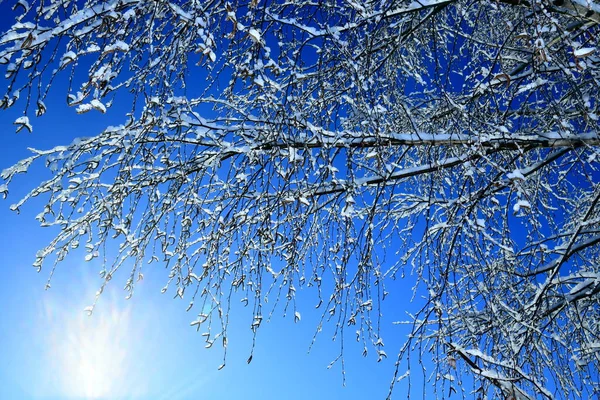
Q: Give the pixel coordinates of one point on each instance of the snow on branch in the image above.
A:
(278, 150)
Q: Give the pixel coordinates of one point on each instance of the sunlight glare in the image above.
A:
(91, 357)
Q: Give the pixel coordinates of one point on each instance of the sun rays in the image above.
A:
(95, 357)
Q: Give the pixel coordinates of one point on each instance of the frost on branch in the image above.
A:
(270, 152)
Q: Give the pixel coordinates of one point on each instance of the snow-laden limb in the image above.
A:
(488, 370)
(496, 141)
(269, 152)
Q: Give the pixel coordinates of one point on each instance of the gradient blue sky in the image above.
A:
(144, 348)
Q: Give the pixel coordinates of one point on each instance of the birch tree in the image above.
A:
(273, 147)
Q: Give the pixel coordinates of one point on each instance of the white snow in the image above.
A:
(516, 174)
(67, 58)
(83, 108)
(254, 35)
(584, 52)
(119, 45)
(521, 204)
(23, 122)
(97, 105)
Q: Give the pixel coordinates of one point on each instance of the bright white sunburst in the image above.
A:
(92, 357)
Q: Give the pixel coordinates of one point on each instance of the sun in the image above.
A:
(95, 354)
(93, 357)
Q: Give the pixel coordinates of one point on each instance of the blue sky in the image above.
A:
(144, 348)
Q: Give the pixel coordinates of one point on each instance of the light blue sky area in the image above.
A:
(144, 348)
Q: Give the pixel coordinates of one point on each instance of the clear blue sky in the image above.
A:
(144, 348)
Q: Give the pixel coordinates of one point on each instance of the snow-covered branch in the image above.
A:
(274, 148)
